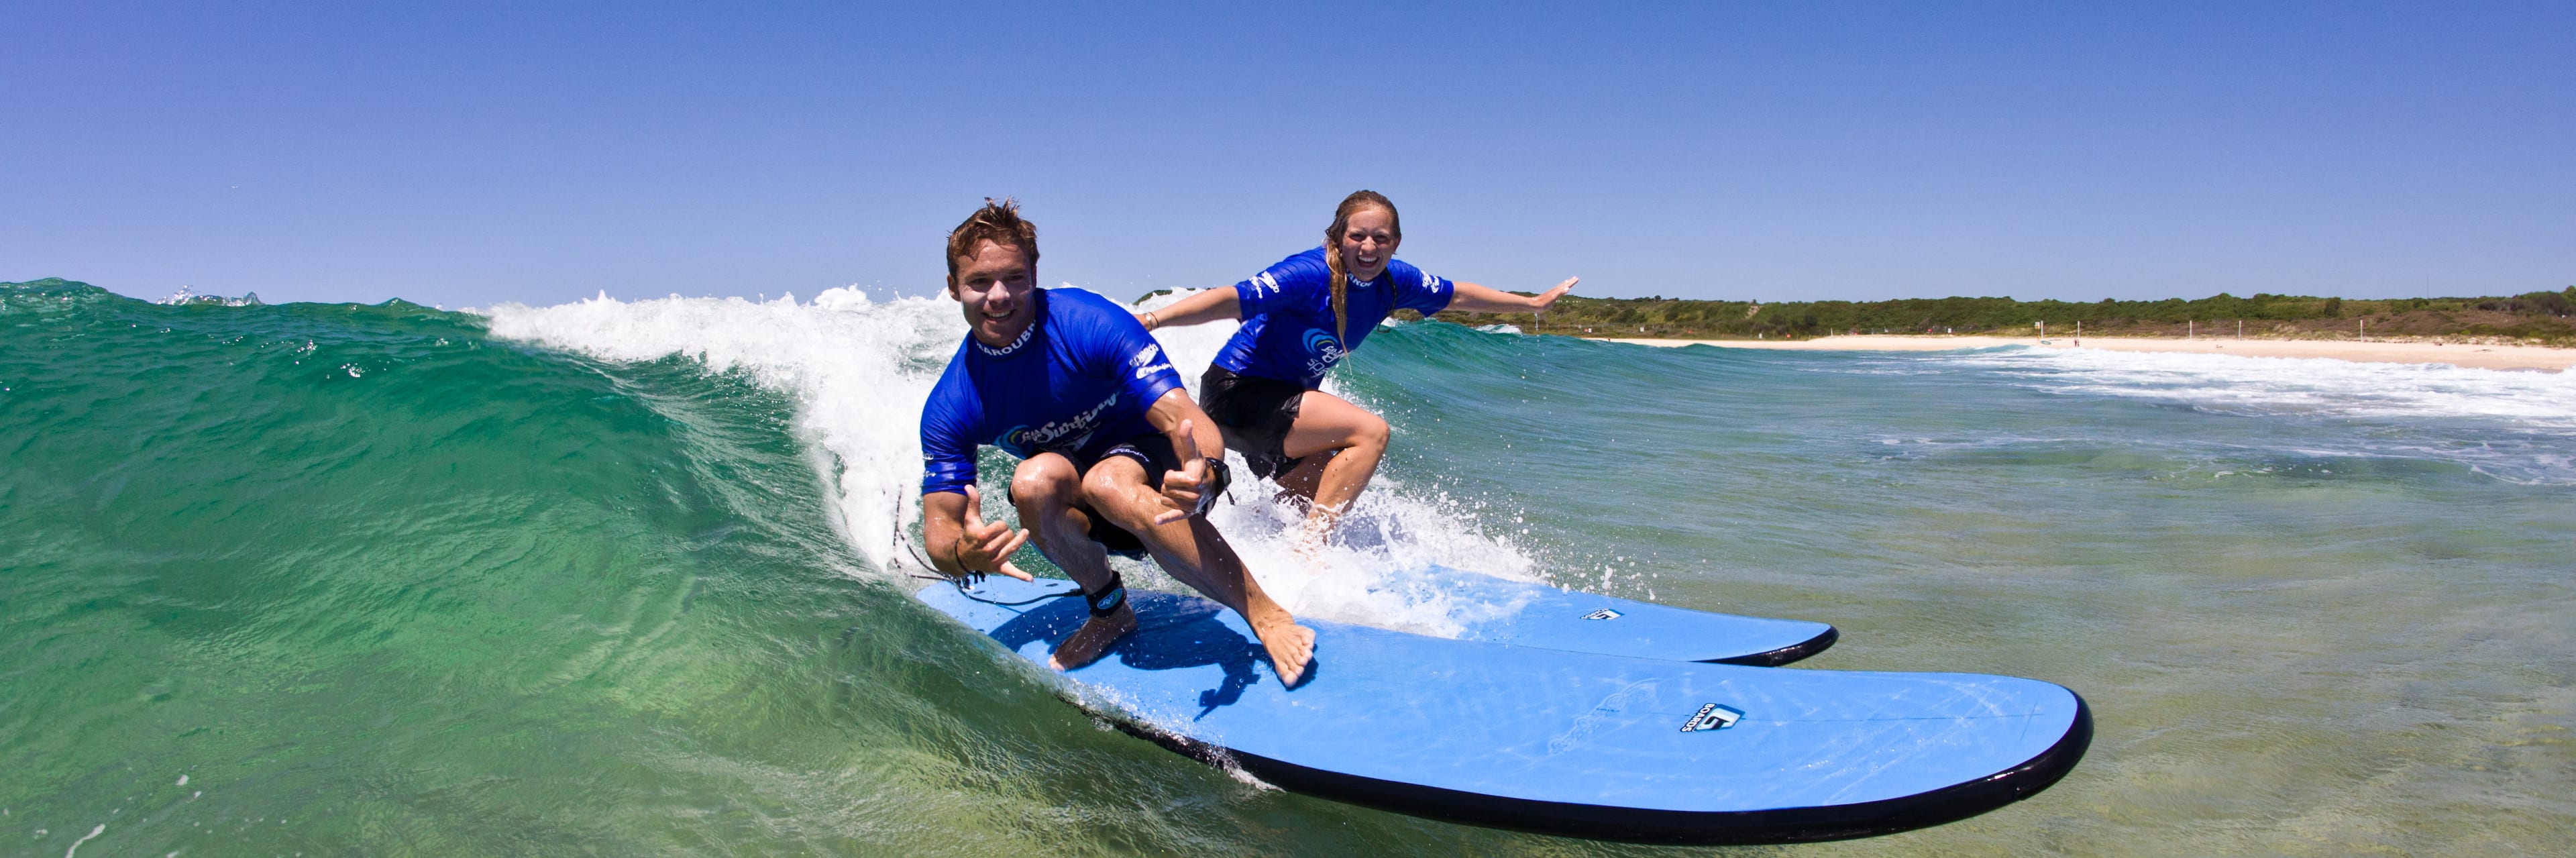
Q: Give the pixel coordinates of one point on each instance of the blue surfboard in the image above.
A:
(1557, 741)
(1538, 615)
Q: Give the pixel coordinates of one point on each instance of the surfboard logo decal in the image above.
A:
(1713, 717)
(1603, 614)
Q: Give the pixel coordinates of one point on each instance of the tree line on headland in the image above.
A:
(2547, 317)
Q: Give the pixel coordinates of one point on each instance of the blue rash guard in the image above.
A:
(1077, 382)
(1287, 311)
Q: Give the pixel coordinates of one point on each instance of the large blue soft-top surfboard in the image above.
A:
(1538, 615)
(1556, 741)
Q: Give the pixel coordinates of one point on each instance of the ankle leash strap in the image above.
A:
(1109, 599)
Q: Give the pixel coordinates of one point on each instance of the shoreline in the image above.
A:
(2466, 354)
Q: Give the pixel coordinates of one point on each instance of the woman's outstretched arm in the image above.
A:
(1471, 298)
(1206, 306)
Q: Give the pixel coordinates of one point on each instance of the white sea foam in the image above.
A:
(860, 370)
(188, 295)
(2273, 385)
(2527, 419)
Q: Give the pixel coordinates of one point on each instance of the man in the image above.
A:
(1108, 442)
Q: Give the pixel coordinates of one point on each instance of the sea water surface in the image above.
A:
(631, 577)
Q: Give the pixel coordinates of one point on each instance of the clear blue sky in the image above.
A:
(467, 154)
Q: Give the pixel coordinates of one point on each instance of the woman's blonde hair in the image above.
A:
(1333, 253)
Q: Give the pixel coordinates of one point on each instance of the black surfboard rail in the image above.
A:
(1786, 654)
(1670, 827)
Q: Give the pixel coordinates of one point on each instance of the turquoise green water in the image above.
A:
(621, 578)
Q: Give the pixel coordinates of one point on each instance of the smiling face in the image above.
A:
(1368, 242)
(993, 284)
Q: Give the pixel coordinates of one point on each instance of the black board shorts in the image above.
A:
(1152, 450)
(1254, 415)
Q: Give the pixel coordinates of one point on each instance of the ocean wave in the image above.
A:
(2509, 425)
(187, 295)
(860, 370)
(2294, 386)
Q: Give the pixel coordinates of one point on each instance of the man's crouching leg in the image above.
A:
(1192, 551)
(1046, 490)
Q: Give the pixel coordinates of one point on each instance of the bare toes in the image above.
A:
(1291, 652)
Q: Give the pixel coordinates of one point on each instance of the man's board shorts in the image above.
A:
(1254, 414)
(1152, 450)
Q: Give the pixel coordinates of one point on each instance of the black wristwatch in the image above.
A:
(1219, 477)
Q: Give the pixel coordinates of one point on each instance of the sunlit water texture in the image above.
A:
(627, 578)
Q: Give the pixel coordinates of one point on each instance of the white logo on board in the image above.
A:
(1713, 717)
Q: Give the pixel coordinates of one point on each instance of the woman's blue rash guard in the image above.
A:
(1287, 311)
(1077, 382)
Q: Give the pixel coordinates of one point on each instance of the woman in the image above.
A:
(1300, 317)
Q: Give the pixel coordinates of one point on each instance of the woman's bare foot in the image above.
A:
(1315, 532)
(1094, 638)
(1290, 645)
(1308, 547)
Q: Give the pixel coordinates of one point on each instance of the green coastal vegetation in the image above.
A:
(2538, 317)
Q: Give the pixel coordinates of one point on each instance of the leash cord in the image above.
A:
(960, 583)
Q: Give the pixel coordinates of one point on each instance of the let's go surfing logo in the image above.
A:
(1060, 436)
(1323, 350)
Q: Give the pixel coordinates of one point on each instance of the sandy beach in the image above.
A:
(2482, 356)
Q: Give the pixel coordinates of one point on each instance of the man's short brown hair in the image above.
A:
(998, 223)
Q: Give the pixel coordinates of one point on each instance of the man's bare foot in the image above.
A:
(1290, 645)
(1094, 638)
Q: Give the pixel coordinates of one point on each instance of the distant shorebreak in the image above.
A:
(2466, 354)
